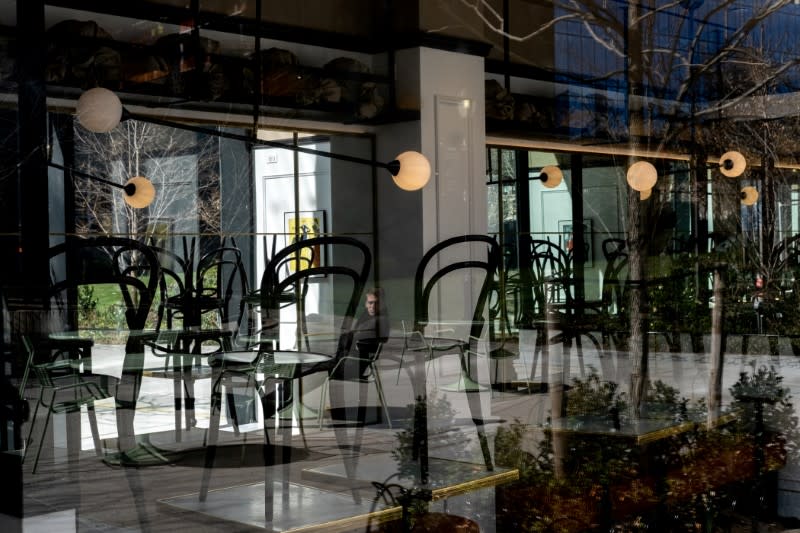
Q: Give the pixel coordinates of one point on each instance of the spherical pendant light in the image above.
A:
(414, 171)
(642, 176)
(749, 195)
(99, 110)
(139, 192)
(645, 194)
(732, 164)
(551, 176)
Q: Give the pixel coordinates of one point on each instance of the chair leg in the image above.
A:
(297, 408)
(230, 400)
(399, 368)
(475, 409)
(536, 349)
(323, 391)
(98, 447)
(44, 433)
(361, 410)
(29, 438)
(579, 349)
(176, 392)
(188, 393)
(545, 362)
(496, 379)
(213, 434)
(270, 411)
(428, 364)
(381, 397)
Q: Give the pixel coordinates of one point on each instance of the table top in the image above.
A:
(301, 508)
(642, 431)
(92, 333)
(296, 508)
(147, 334)
(79, 335)
(446, 477)
(281, 357)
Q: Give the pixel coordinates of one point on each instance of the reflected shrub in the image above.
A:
(691, 477)
(439, 416)
(87, 302)
(777, 419)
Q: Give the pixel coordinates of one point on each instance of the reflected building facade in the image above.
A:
(633, 364)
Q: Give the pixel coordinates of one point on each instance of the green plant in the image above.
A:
(438, 416)
(595, 397)
(664, 402)
(604, 472)
(764, 386)
(87, 302)
(534, 468)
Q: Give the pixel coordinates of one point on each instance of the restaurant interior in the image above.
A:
(357, 266)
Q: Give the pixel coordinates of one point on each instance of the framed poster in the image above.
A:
(565, 238)
(159, 231)
(302, 225)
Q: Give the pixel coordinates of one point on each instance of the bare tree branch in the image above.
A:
(172, 159)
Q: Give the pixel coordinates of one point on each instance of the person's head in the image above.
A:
(373, 301)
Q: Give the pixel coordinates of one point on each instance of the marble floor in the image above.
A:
(87, 494)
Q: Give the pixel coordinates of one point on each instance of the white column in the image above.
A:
(450, 97)
(448, 90)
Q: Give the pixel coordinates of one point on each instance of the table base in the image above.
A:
(295, 508)
(464, 384)
(144, 454)
(302, 412)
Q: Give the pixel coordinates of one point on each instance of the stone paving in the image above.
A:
(44, 492)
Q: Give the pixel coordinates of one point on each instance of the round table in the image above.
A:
(280, 357)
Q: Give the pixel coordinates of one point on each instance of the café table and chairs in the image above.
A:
(273, 364)
(554, 296)
(293, 295)
(433, 329)
(558, 311)
(349, 368)
(275, 361)
(62, 389)
(191, 288)
(451, 287)
(272, 369)
(82, 262)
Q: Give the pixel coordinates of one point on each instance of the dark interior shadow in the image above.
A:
(247, 456)
(347, 416)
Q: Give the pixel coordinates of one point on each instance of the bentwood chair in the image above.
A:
(221, 285)
(341, 276)
(175, 275)
(190, 289)
(613, 305)
(556, 308)
(480, 258)
(292, 295)
(66, 385)
(453, 280)
(348, 368)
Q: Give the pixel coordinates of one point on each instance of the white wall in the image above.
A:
(275, 194)
(399, 227)
(453, 136)
(448, 90)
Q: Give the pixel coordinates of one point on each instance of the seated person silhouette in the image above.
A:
(370, 329)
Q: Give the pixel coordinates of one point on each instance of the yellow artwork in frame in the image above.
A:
(300, 226)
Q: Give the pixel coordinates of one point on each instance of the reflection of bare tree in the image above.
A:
(702, 74)
(666, 53)
(183, 166)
